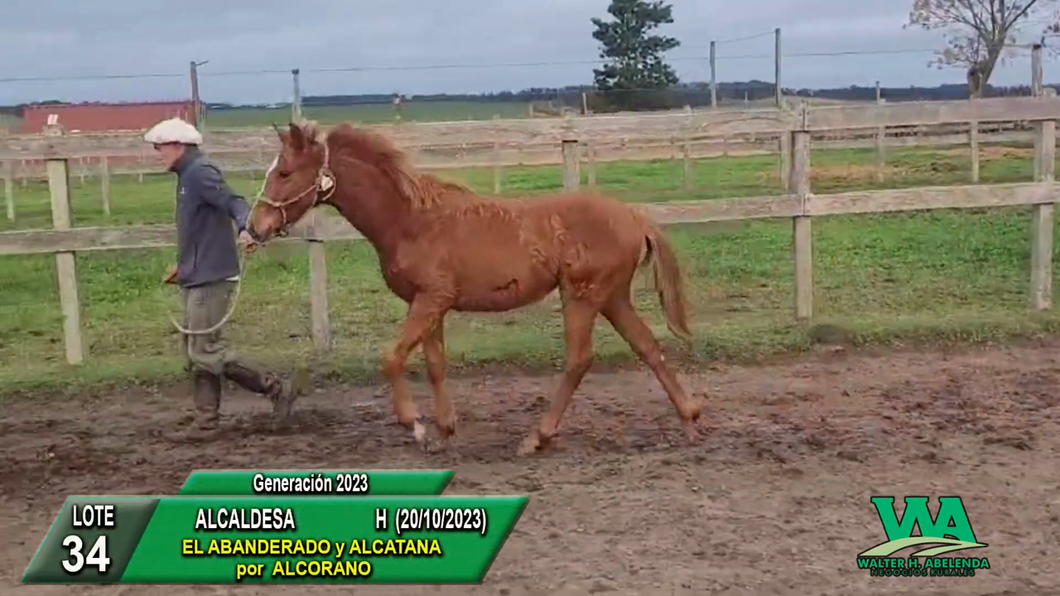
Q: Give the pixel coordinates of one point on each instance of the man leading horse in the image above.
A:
(207, 272)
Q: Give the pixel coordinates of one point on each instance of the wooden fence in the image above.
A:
(799, 203)
(678, 146)
(253, 155)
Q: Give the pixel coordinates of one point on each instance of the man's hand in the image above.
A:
(252, 245)
(171, 275)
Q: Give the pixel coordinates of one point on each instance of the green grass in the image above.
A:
(947, 275)
(10, 122)
(424, 111)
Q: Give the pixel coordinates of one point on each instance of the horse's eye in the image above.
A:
(284, 174)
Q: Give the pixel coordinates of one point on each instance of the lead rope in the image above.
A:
(239, 281)
(325, 183)
(239, 286)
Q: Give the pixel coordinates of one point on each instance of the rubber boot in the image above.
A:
(206, 395)
(281, 392)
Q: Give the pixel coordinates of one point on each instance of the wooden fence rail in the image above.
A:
(487, 154)
(684, 136)
(799, 204)
(496, 157)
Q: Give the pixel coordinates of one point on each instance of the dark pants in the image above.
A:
(204, 307)
(209, 357)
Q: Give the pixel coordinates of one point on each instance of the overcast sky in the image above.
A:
(58, 38)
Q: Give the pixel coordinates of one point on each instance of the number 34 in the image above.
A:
(97, 556)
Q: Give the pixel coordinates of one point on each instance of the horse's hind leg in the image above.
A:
(578, 317)
(423, 314)
(434, 354)
(624, 318)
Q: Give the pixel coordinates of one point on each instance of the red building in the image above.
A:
(96, 117)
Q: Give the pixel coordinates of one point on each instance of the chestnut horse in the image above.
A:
(443, 248)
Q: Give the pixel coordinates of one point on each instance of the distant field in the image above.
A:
(946, 274)
(10, 122)
(434, 111)
(424, 111)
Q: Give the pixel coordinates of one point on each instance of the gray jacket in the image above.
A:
(206, 207)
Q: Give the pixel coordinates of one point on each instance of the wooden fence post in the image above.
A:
(497, 166)
(973, 149)
(497, 169)
(1043, 216)
(1036, 91)
(59, 185)
(686, 150)
(9, 189)
(689, 165)
(318, 290)
(785, 161)
(571, 171)
(104, 175)
(590, 158)
(881, 136)
(802, 225)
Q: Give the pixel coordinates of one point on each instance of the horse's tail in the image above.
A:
(669, 281)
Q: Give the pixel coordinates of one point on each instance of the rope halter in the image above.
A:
(323, 187)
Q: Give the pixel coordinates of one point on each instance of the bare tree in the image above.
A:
(979, 33)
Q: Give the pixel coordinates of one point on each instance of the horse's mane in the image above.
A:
(420, 189)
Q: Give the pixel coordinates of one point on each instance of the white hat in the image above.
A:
(173, 130)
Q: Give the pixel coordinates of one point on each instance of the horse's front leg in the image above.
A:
(434, 354)
(424, 313)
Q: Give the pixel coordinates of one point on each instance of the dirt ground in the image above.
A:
(773, 500)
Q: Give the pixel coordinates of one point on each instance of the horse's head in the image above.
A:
(298, 180)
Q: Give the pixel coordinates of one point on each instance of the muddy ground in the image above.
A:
(774, 500)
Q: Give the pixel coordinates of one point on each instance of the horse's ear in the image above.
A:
(298, 140)
(281, 134)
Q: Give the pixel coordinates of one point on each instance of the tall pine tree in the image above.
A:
(633, 55)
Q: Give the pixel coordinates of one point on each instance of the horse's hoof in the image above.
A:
(435, 446)
(447, 429)
(419, 431)
(695, 409)
(533, 443)
(691, 431)
(529, 446)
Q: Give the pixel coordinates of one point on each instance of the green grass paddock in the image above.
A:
(423, 111)
(946, 275)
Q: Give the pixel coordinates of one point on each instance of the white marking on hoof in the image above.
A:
(419, 431)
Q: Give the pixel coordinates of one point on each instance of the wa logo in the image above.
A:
(946, 532)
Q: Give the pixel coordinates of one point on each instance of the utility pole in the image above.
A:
(196, 105)
(296, 105)
(779, 93)
(713, 75)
